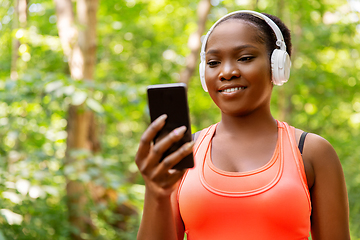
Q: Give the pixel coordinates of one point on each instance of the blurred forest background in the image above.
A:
(73, 77)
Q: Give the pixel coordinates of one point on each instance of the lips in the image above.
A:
(229, 89)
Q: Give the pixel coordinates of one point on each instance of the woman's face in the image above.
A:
(237, 71)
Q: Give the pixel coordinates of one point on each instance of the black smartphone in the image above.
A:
(171, 99)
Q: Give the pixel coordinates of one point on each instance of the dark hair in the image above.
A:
(266, 34)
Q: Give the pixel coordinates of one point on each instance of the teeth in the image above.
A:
(233, 89)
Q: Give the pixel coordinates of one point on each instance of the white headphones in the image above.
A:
(280, 60)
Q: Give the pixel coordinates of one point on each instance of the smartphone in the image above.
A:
(171, 99)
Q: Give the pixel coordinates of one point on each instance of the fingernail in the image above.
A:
(179, 130)
(161, 118)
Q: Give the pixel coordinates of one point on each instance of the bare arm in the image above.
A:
(330, 209)
(160, 217)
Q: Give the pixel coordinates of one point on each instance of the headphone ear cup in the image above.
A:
(274, 68)
(202, 74)
(280, 67)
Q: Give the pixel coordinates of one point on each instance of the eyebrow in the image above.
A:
(241, 47)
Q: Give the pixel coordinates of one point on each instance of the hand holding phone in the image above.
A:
(171, 99)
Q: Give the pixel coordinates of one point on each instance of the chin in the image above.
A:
(236, 112)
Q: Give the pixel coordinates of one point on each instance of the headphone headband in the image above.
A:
(279, 37)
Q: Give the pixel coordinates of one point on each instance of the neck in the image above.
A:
(258, 122)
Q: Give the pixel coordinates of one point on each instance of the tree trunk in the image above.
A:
(86, 12)
(194, 42)
(79, 46)
(78, 131)
(19, 21)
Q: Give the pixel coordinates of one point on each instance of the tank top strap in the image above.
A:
(299, 162)
(204, 134)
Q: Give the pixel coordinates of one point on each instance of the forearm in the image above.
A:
(158, 221)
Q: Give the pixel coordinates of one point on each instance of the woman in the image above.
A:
(250, 179)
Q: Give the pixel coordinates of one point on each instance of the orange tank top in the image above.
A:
(272, 202)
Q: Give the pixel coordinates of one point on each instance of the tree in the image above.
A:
(79, 46)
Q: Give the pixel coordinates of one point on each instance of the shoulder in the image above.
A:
(319, 157)
(324, 160)
(318, 151)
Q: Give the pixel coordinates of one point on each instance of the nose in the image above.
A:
(229, 71)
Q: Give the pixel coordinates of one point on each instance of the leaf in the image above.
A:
(68, 90)
(78, 98)
(94, 105)
(53, 86)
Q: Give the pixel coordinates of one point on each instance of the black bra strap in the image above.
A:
(301, 142)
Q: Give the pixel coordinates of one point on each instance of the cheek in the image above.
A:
(215, 99)
(260, 72)
(210, 76)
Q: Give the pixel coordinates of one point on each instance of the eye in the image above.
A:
(212, 63)
(246, 59)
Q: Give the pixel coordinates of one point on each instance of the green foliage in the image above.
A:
(142, 42)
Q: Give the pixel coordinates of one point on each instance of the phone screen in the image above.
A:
(171, 99)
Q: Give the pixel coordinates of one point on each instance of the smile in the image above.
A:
(229, 90)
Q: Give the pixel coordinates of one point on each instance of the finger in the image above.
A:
(148, 136)
(174, 158)
(165, 143)
(173, 178)
(168, 179)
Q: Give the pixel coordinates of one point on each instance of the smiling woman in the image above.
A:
(254, 177)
